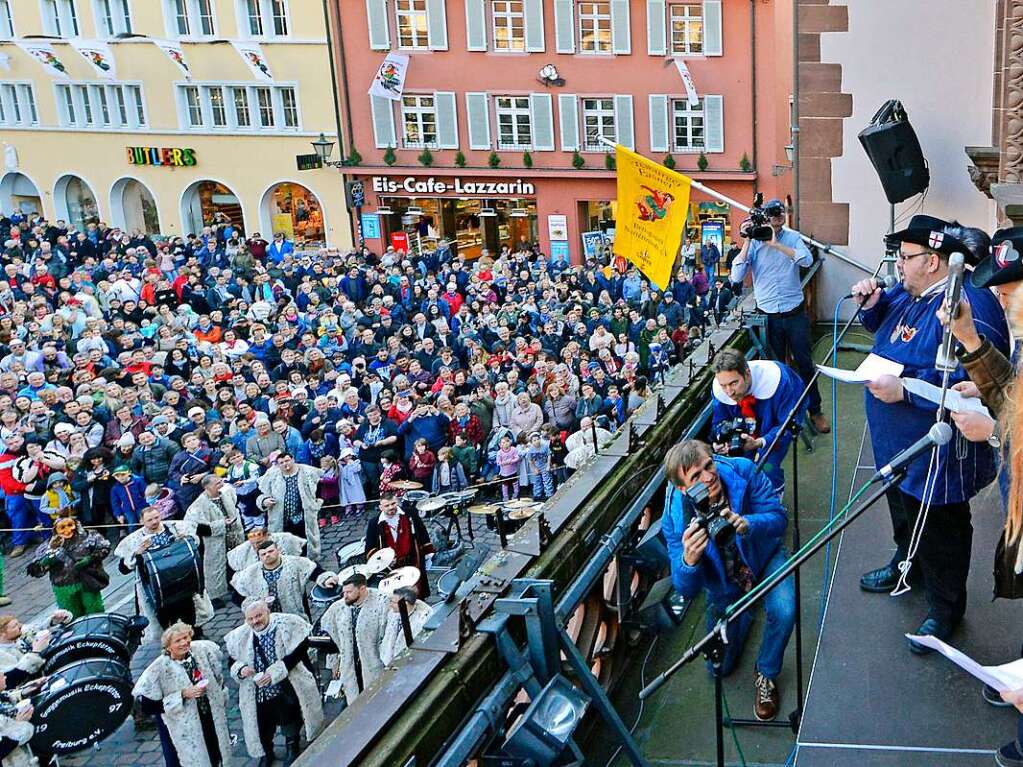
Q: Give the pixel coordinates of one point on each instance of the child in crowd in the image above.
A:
(390, 471)
(538, 457)
(466, 455)
(350, 474)
(328, 490)
(422, 462)
(508, 459)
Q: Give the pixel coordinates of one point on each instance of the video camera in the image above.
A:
(729, 433)
(718, 528)
(757, 226)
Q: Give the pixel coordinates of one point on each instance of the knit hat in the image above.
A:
(54, 478)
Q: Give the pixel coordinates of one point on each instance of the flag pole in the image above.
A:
(824, 247)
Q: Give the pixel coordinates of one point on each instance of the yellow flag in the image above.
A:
(653, 204)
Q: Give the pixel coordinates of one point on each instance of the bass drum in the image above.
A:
(172, 574)
(80, 705)
(105, 635)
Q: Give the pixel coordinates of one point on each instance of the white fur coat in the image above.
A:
(164, 680)
(271, 485)
(126, 552)
(22, 732)
(290, 588)
(369, 633)
(243, 555)
(394, 636)
(291, 631)
(226, 527)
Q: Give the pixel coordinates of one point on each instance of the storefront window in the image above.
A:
(294, 210)
(207, 203)
(76, 201)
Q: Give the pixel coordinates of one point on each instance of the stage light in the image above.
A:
(663, 608)
(545, 730)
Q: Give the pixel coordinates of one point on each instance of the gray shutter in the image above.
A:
(714, 123)
(564, 25)
(478, 116)
(475, 25)
(568, 109)
(712, 28)
(659, 135)
(623, 122)
(534, 25)
(621, 34)
(656, 28)
(447, 120)
(379, 35)
(436, 25)
(542, 109)
(383, 122)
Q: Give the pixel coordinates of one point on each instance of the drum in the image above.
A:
(80, 705)
(172, 574)
(353, 553)
(411, 498)
(106, 635)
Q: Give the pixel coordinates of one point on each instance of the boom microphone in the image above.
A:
(888, 281)
(939, 434)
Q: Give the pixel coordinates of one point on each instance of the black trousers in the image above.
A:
(789, 336)
(943, 557)
(282, 711)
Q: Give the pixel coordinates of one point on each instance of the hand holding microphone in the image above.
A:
(868, 292)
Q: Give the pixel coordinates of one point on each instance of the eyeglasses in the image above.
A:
(903, 257)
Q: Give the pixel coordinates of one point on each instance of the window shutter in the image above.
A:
(656, 28)
(540, 104)
(534, 25)
(436, 25)
(659, 136)
(568, 108)
(447, 120)
(564, 25)
(623, 122)
(621, 39)
(714, 123)
(383, 122)
(712, 27)
(475, 25)
(379, 36)
(478, 115)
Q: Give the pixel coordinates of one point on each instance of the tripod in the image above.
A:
(712, 644)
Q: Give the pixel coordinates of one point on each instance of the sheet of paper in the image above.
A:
(1006, 677)
(954, 401)
(333, 689)
(872, 368)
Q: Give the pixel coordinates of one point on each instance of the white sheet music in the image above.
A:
(1008, 676)
(954, 401)
(872, 368)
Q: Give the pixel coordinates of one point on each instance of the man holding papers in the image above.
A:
(907, 331)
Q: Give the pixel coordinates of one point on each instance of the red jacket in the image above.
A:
(10, 485)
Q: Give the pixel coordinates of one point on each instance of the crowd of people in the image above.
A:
(244, 395)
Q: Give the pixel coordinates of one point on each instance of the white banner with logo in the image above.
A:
(687, 79)
(175, 53)
(254, 59)
(99, 55)
(46, 56)
(389, 80)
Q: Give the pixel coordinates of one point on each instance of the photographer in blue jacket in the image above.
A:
(724, 525)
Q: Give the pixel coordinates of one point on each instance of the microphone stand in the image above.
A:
(712, 645)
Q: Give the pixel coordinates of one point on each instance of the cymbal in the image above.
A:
(521, 514)
(406, 484)
(431, 504)
(348, 572)
(380, 561)
(519, 503)
(483, 508)
(402, 578)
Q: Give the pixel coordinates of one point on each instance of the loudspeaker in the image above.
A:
(894, 150)
(662, 609)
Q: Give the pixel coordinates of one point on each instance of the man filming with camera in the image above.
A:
(724, 524)
(773, 254)
(751, 402)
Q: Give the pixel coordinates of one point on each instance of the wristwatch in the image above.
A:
(994, 439)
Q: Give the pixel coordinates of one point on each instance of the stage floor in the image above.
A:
(871, 702)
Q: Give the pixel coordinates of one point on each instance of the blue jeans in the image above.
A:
(780, 611)
(22, 515)
(791, 336)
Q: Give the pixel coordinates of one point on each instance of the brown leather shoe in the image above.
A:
(765, 699)
(17, 551)
(820, 423)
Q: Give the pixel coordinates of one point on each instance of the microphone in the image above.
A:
(888, 281)
(939, 434)
(945, 360)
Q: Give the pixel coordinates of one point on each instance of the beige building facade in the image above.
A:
(164, 115)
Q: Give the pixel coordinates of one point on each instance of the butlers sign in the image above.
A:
(456, 186)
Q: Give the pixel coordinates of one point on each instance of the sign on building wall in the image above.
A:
(370, 226)
(432, 185)
(557, 227)
(170, 156)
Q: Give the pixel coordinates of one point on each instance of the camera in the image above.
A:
(729, 433)
(718, 528)
(757, 226)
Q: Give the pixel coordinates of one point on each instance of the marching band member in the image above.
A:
(357, 623)
(154, 534)
(403, 533)
(217, 509)
(184, 690)
(16, 729)
(269, 660)
(288, 497)
(281, 577)
(247, 552)
(21, 646)
(393, 643)
(907, 330)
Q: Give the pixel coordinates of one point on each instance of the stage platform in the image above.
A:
(871, 702)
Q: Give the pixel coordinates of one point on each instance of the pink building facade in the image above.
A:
(517, 157)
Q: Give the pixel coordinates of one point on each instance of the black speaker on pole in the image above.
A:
(894, 150)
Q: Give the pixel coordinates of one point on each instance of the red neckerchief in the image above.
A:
(746, 407)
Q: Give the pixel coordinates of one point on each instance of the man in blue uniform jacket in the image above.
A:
(764, 392)
(743, 496)
(907, 330)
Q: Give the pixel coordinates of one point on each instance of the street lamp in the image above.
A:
(324, 149)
